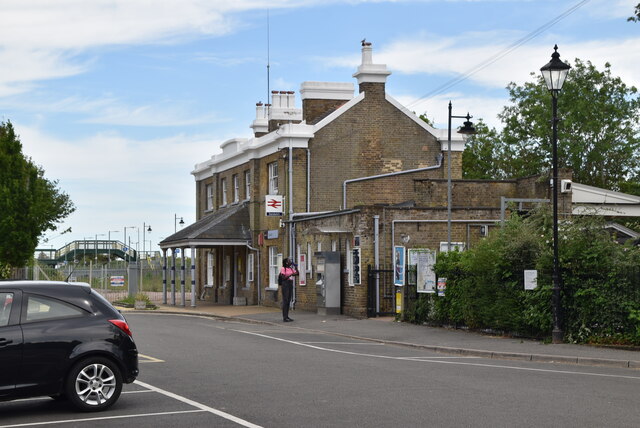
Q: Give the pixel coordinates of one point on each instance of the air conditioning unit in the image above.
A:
(565, 186)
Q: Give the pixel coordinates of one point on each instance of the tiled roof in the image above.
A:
(224, 226)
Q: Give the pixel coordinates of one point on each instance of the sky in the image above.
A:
(117, 100)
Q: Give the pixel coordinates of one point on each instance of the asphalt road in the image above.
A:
(202, 372)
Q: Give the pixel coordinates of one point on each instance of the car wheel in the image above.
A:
(94, 384)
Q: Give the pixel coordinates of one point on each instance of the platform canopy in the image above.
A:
(226, 226)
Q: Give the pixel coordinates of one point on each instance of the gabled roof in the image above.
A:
(226, 226)
(589, 200)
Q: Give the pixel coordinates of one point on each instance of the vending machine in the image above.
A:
(328, 274)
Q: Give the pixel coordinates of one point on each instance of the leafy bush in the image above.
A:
(485, 285)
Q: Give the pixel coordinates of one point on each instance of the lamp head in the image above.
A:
(467, 128)
(555, 72)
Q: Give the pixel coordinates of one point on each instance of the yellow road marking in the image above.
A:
(148, 359)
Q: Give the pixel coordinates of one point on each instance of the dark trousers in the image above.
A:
(287, 291)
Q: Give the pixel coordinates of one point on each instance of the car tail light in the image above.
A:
(122, 325)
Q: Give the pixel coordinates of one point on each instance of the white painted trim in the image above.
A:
(255, 148)
(581, 193)
(326, 91)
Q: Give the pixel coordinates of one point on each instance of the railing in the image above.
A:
(100, 246)
(100, 279)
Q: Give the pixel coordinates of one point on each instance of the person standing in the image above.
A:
(287, 272)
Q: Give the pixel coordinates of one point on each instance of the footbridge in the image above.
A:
(77, 250)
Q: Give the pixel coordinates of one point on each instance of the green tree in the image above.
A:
(598, 135)
(481, 154)
(29, 203)
(635, 18)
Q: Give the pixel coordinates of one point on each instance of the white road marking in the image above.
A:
(198, 405)
(149, 388)
(346, 343)
(104, 418)
(496, 366)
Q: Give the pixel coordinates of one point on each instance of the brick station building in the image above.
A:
(355, 173)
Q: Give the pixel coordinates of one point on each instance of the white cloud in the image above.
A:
(436, 108)
(466, 55)
(112, 158)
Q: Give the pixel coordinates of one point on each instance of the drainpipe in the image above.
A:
(376, 257)
(257, 275)
(290, 195)
(390, 174)
(308, 180)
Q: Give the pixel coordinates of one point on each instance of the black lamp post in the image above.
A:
(467, 129)
(175, 221)
(555, 73)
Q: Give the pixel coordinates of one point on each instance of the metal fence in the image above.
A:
(112, 280)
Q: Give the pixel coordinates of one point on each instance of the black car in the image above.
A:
(63, 340)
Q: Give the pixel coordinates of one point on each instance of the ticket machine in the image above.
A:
(328, 282)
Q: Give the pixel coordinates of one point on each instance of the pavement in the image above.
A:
(442, 340)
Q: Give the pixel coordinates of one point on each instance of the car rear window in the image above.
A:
(40, 308)
(6, 301)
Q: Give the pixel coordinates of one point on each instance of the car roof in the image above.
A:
(35, 284)
(73, 292)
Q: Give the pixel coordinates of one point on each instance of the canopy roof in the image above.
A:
(226, 226)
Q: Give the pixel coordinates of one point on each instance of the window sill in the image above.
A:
(270, 288)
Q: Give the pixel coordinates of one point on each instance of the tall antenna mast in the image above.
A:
(268, 61)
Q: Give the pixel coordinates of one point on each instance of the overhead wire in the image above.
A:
(484, 64)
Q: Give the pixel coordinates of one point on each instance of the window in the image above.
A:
(6, 301)
(334, 245)
(236, 188)
(41, 308)
(275, 261)
(250, 267)
(273, 178)
(309, 254)
(455, 246)
(211, 266)
(223, 184)
(247, 184)
(227, 270)
(209, 197)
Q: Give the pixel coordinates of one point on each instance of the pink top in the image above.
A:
(288, 272)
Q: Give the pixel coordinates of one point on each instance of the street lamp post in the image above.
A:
(175, 220)
(147, 228)
(467, 129)
(554, 73)
(125, 240)
(109, 248)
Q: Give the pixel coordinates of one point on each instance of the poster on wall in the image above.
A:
(302, 267)
(355, 267)
(424, 260)
(398, 263)
(442, 286)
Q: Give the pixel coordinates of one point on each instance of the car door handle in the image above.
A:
(4, 342)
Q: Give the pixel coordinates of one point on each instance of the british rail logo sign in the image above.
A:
(274, 205)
